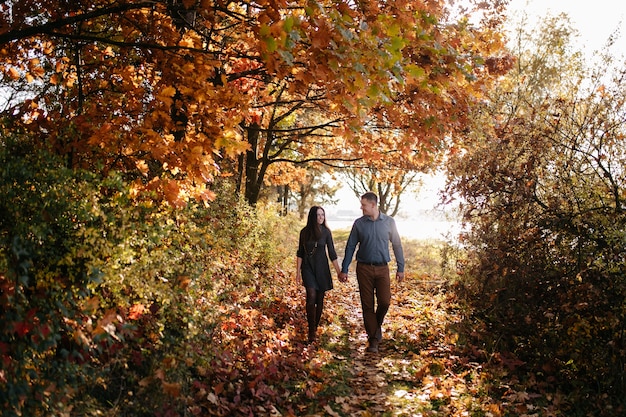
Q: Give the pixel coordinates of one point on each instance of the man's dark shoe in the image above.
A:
(379, 334)
(373, 346)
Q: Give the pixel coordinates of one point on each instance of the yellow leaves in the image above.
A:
(31, 71)
(189, 42)
(282, 173)
(232, 143)
(34, 65)
(70, 79)
(48, 48)
(142, 166)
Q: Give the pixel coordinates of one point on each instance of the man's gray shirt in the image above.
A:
(373, 238)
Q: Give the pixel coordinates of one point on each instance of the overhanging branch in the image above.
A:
(50, 27)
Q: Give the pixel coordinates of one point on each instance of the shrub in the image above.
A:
(111, 303)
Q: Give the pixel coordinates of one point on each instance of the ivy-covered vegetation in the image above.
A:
(106, 304)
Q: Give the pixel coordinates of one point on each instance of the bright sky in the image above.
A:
(596, 20)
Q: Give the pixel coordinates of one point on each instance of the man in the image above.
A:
(372, 233)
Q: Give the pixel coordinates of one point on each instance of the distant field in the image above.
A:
(425, 259)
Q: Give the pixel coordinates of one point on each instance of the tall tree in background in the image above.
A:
(314, 189)
(390, 186)
(174, 93)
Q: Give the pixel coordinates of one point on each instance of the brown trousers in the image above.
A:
(375, 291)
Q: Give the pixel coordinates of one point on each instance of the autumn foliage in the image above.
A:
(110, 305)
(139, 275)
(542, 180)
(175, 93)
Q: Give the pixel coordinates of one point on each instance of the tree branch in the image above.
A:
(50, 27)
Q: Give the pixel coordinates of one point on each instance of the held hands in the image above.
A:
(343, 277)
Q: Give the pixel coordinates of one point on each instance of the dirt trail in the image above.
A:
(390, 382)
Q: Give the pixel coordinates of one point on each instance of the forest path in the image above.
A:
(416, 371)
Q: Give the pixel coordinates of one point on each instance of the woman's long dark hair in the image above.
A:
(312, 230)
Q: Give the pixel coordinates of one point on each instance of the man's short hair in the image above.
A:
(370, 196)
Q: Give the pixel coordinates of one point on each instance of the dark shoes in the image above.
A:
(375, 341)
(373, 346)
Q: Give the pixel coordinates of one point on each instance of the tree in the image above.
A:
(314, 190)
(541, 177)
(174, 93)
(389, 187)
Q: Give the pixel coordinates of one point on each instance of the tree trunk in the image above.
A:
(253, 185)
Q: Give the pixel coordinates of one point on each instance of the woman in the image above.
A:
(312, 265)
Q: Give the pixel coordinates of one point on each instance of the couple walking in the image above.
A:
(372, 233)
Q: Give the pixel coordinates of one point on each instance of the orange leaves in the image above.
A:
(35, 69)
(142, 166)
(171, 389)
(207, 195)
(173, 193)
(166, 95)
(500, 65)
(91, 305)
(22, 328)
(108, 324)
(232, 143)
(285, 173)
(31, 72)
(153, 94)
(14, 73)
(321, 37)
(136, 311)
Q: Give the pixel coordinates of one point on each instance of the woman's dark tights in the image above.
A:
(314, 307)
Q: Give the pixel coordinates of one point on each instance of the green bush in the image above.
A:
(112, 304)
(46, 272)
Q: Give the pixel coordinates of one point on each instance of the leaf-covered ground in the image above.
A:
(422, 369)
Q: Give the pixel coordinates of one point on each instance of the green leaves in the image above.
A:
(94, 285)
